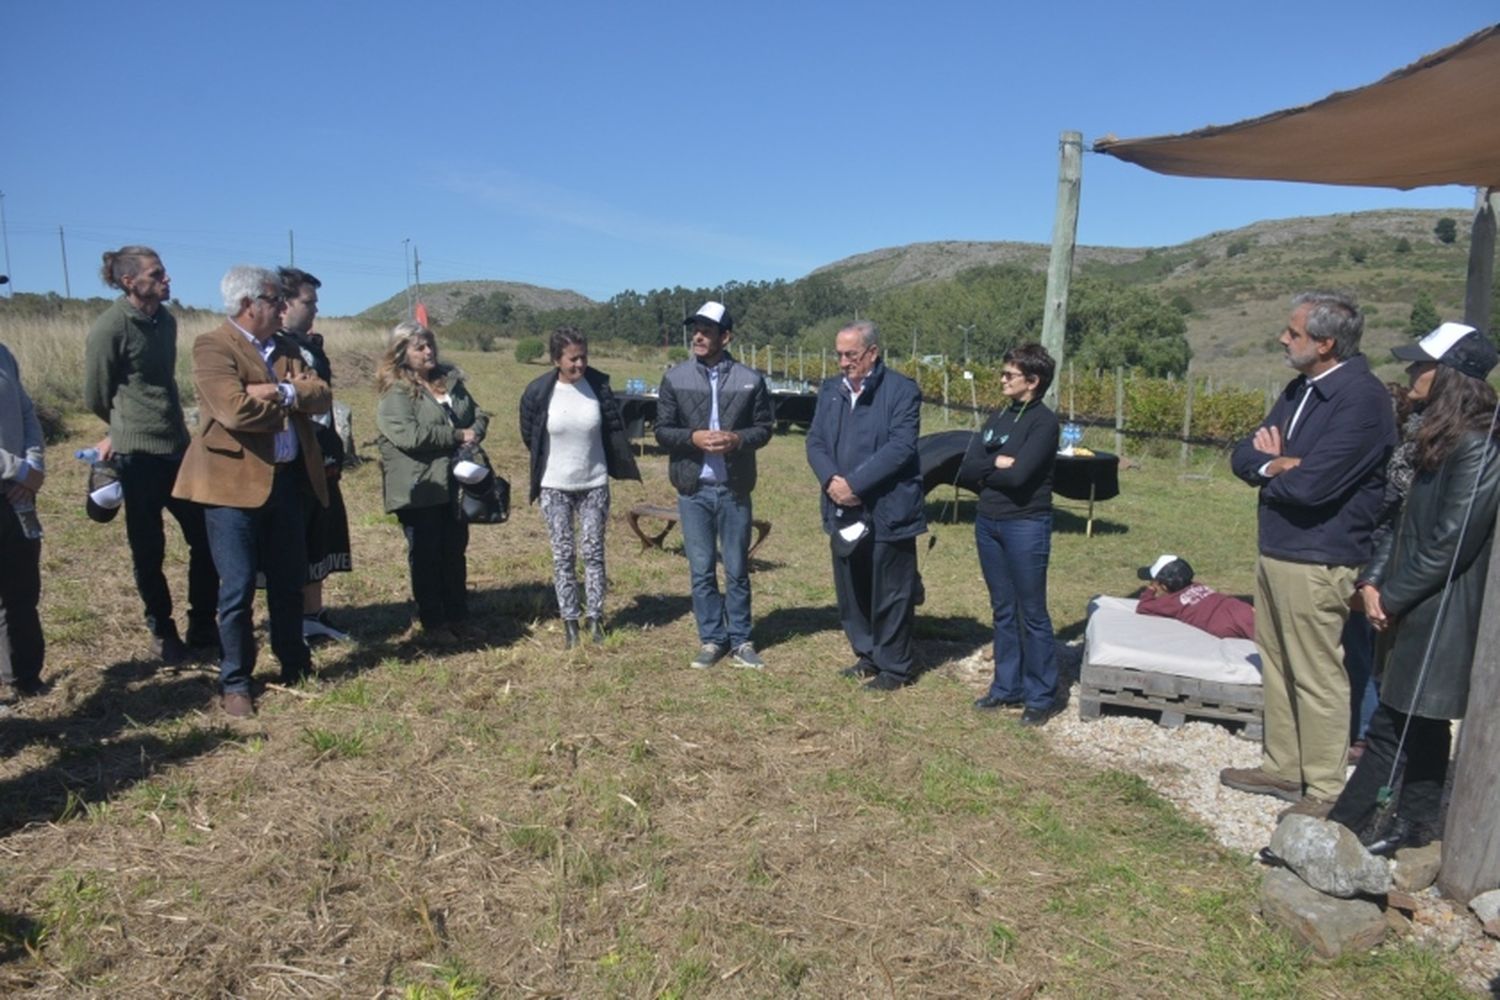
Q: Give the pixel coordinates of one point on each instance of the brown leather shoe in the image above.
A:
(1258, 782)
(237, 705)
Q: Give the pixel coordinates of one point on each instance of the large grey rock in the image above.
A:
(1330, 927)
(1486, 905)
(1330, 858)
(1417, 867)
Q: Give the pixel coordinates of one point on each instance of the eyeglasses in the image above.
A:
(1006, 376)
(852, 355)
(275, 300)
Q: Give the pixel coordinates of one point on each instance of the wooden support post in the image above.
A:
(1120, 410)
(1072, 392)
(1478, 290)
(945, 388)
(1064, 239)
(1471, 840)
(823, 357)
(801, 371)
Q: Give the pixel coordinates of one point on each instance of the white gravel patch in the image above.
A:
(1183, 764)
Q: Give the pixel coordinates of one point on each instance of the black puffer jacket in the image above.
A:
(536, 399)
(682, 406)
(1410, 568)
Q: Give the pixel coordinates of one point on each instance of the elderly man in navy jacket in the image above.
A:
(863, 448)
(1319, 460)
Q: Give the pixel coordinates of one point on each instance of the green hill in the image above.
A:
(1235, 285)
(444, 299)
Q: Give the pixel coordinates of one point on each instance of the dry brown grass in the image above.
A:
(511, 820)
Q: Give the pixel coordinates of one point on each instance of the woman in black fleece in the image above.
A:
(1010, 463)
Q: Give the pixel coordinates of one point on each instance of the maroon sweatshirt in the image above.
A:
(1203, 607)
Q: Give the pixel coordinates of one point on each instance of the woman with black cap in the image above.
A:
(1424, 587)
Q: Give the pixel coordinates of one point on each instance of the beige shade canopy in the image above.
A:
(1436, 121)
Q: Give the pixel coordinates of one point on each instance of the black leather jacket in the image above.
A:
(1411, 567)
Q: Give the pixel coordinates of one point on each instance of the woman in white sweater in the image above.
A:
(571, 425)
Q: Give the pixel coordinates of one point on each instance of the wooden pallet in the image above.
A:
(1176, 698)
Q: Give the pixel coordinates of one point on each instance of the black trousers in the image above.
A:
(1425, 761)
(436, 553)
(147, 482)
(21, 644)
(875, 587)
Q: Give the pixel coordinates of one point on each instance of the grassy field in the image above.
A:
(513, 820)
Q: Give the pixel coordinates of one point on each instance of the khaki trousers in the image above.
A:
(1300, 610)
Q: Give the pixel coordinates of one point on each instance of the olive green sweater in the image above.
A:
(130, 379)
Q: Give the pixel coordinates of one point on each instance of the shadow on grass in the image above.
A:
(104, 745)
(787, 623)
(1066, 522)
(652, 610)
(18, 934)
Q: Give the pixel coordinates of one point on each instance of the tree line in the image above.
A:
(975, 316)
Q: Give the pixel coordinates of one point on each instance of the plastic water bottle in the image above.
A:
(31, 525)
(90, 455)
(1072, 434)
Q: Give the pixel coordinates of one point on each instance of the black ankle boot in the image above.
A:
(570, 634)
(596, 631)
(1398, 833)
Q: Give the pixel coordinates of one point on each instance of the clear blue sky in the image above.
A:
(603, 146)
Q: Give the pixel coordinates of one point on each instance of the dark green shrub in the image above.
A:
(529, 349)
(1446, 230)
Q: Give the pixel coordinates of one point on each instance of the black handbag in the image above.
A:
(484, 502)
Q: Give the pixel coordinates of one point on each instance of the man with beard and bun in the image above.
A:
(327, 527)
(253, 462)
(130, 382)
(1318, 460)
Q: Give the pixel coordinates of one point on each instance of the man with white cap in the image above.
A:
(22, 472)
(712, 413)
(1318, 460)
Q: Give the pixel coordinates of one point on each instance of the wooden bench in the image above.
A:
(669, 515)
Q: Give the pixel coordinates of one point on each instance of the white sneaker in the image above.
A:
(312, 628)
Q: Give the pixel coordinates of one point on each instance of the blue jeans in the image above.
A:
(270, 538)
(716, 526)
(1013, 555)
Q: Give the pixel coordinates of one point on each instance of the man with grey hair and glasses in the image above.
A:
(862, 447)
(1319, 461)
(253, 464)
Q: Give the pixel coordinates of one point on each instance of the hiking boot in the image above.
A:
(746, 657)
(570, 634)
(708, 654)
(596, 631)
(1258, 782)
(1309, 806)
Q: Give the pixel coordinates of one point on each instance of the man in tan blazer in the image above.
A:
(252, 463)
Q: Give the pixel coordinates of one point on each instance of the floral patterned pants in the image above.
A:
(592, 510)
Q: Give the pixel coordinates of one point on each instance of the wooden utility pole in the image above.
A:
(1478, 290)
(1064, 239)
(62, 241)
(1471, 839)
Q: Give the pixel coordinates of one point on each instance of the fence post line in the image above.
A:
(823, 357)
(801, 371)
(945, 389)
(1072, 392)
(1119, 410)
(1187, 419)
